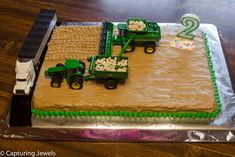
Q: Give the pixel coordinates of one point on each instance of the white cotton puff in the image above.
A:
(109, 64)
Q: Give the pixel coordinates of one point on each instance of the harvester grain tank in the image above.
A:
(148, 35)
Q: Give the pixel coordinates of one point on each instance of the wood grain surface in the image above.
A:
(17, 17)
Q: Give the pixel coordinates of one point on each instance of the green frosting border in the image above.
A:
(186, 114)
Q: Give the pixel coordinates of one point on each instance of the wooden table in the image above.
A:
(17, 17)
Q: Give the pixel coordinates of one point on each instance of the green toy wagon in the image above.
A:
(108, 70)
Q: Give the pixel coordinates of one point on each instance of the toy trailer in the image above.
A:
(108, 70)
(72, 71)
(148, 35)
(37, 38)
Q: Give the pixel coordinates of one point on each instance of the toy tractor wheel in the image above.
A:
(59, 65)
(55, 82)
(84, 67)
(130, 48)
(110, 84)
(149, 49)
(76, 82)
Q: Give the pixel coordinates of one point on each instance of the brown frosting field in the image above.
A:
(168, 80)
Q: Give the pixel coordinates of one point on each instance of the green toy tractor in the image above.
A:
(147, 34)
(72, 71)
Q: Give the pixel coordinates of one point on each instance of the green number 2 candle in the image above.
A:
(191, 22)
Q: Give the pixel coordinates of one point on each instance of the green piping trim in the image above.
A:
(185, 114)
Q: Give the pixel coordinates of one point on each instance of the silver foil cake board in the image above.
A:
(221, 129)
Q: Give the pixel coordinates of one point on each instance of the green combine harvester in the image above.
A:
(147, 34)
(72, 71)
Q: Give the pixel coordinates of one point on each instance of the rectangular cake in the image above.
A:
(170, 83)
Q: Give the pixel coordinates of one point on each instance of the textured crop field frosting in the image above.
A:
(73, 42)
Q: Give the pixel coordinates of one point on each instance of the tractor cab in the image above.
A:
(74, 66)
